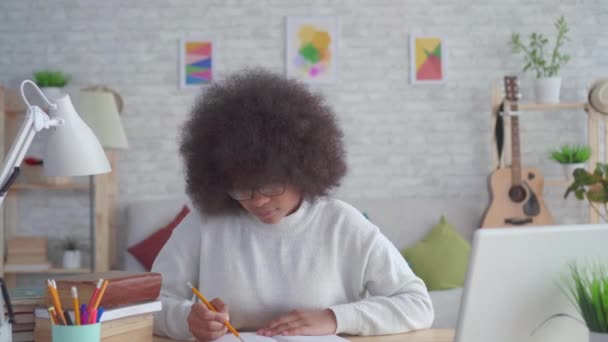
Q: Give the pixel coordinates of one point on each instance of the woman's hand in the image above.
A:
(206, 325)
(302, 322)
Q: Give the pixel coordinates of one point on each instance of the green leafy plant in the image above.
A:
(51, 78)
(543, 63)
(571, 154)
(587, 288)
(70, 244)
(591, 186)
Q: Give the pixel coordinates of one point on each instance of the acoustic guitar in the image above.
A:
(516, 192)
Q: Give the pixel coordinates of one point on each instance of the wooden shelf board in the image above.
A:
(551, 106)
(557, 182)
(41, 186)
(14, 112)
(52, 271)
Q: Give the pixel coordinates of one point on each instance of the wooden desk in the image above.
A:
(430, 335)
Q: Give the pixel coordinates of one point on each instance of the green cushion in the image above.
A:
(441, 258)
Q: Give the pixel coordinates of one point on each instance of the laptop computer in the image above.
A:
(513, 282)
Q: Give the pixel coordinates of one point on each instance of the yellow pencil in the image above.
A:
(212, 308)
(76, 305)
(52, 314)
(56, 303)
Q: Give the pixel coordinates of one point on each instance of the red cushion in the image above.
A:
(147, 249)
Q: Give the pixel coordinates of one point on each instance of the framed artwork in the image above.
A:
(196, 62)
(312, 46)
(428, 59)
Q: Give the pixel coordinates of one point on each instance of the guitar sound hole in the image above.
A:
(517, 194)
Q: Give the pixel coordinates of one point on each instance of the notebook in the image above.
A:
(253, 337)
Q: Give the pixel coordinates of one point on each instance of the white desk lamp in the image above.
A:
(71, 150)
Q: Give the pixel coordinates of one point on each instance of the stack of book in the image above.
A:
(129, 301)
(24, 301)
(26, 253)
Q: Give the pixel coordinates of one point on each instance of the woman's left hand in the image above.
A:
(302, 322)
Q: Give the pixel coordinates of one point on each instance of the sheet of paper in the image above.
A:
(247, 337)
(325, 338)
(253, 337)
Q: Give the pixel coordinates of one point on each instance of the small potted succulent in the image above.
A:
(51, 82)
(571, 157)
(71, 253)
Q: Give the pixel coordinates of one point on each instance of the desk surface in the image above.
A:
(430, 335)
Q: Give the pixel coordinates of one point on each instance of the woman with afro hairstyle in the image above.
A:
(261, 155)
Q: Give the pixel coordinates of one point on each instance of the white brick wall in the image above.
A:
(402, 140)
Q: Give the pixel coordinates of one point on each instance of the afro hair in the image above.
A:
(254, 128)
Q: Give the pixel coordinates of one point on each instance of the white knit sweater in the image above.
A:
(324, 255)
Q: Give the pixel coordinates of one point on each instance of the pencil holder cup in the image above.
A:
(77, 333)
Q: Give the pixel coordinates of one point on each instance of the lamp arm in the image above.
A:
(10, 167)
(49, 103)
(35, 121)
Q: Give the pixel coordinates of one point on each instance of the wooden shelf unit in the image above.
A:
(11, 114)
(593, 119)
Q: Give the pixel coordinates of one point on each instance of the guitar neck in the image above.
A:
(515, 152)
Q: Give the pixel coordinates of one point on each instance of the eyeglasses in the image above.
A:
(269, 190)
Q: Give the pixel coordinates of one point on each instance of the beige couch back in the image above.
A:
(403, 220)
(407, 220)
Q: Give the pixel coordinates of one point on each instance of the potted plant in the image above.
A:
(571, 157)
(587, 288)
(71, 253)
(51, 82)
(545, 64)
(592, 186)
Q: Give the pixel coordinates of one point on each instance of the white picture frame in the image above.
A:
(204, 58)
(426, 66)
(311, 52)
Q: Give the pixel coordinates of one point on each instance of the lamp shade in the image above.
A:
(72, 148)
(100, 112)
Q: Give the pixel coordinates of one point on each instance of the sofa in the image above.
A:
(404, 221)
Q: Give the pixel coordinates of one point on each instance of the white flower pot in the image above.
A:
(71, 259)
(546, 90)
(569, 169)
(598, 337)
(51, 93)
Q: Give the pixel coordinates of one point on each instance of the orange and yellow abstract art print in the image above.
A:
(427, 59)
(311, 48)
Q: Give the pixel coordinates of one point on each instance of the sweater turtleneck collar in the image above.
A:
(290, 224)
